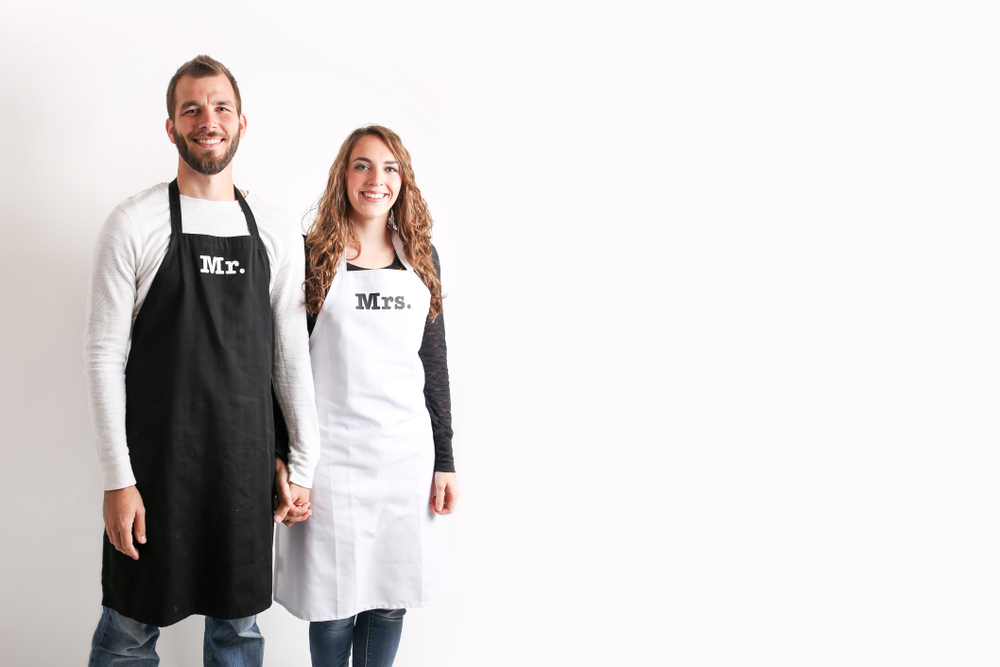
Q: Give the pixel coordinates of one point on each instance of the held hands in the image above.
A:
(444, 494)
(292, 503)
(124, 512)
(123, 509)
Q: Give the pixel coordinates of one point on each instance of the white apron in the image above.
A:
(372, 541)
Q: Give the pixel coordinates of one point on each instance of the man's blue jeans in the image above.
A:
(375, 635)
(120, 641)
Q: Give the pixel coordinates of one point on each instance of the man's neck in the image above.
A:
(217, 187)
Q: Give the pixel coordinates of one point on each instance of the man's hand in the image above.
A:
(123, 509)
(292, 503)
(444, 495)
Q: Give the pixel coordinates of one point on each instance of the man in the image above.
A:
(196, 308)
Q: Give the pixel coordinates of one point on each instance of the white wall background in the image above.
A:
(722, 310)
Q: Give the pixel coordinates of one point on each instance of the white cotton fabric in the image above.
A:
(372, 541)
(130, 247)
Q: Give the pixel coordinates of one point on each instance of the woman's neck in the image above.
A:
(376, 250)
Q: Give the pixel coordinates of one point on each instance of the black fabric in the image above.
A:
(199, 429)
(437, 387)
(397, 264)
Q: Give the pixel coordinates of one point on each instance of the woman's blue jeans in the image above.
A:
(374, 635)
(120, 641)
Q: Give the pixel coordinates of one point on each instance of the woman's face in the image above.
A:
(373, 180)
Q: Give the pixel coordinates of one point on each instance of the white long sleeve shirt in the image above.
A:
(130, 248)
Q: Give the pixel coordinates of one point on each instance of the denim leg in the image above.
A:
(330, 642)
(376, 637)
(120, 641)
(233, 643)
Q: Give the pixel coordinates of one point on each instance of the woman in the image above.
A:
(371, 547)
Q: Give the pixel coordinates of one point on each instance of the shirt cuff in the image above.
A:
(116, 472)
(296, 475)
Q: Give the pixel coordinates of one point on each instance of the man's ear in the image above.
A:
(243, 125)
(170, 130)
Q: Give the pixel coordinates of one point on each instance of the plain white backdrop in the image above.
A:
(722, 310)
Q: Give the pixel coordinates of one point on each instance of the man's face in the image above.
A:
(206, 128)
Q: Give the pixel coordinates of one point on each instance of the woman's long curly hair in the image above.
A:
(332, 230)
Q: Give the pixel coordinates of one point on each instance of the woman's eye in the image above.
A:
(361, 167)
(391, 169)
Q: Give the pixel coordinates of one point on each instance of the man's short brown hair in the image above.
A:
(199, 68)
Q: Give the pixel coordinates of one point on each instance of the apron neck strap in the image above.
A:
(251, 222)
(175, 211)
(397, 244)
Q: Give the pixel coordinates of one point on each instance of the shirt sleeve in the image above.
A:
(292, 375)
(110, 307)
(437, 388)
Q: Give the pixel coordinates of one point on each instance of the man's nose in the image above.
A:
(210, 120)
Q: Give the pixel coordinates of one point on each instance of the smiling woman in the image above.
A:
(371, 160)
(373, 179)
(371, 547)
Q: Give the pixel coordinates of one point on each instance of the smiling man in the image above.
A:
(195, 311)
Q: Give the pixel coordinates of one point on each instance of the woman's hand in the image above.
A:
(292, 503)
(444, 495)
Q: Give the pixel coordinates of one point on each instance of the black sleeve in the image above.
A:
(437, 390)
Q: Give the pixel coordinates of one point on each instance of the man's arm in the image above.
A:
(109, 322)
(292, 372)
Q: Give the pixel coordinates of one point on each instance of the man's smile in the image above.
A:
(208, 141)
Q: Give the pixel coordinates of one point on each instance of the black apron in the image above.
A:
(200, 433)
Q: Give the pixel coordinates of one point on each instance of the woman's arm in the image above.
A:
(437, 396)
(437, 390)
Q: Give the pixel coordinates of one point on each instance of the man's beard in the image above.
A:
(207, 165)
